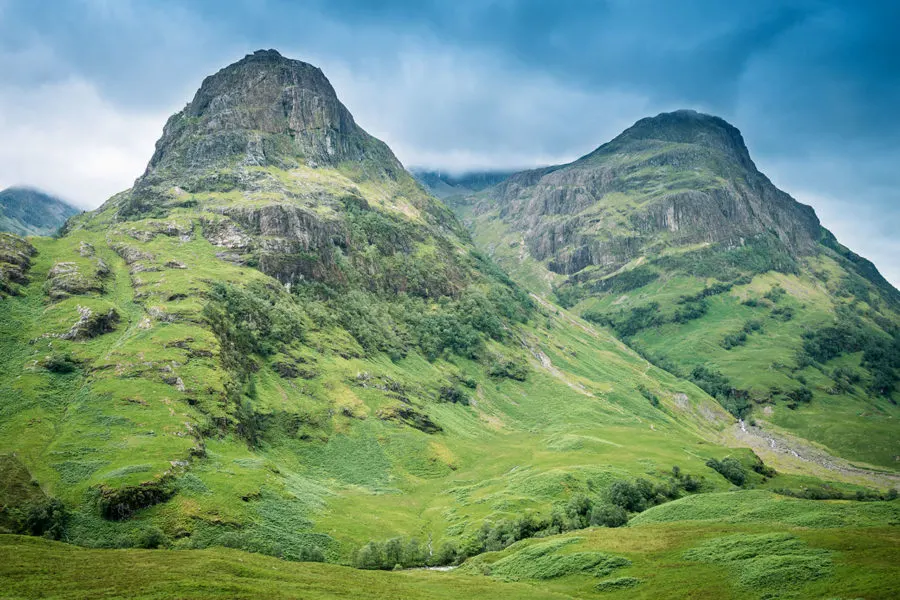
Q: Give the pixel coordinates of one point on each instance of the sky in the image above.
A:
(460, 85)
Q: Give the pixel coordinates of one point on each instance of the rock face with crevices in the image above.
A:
(15, 260)
(676, 179)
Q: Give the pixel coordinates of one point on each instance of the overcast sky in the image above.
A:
(86, 85)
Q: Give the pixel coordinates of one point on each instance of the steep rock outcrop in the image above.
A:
(676, 179)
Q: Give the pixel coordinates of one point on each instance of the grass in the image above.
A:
(759, 559)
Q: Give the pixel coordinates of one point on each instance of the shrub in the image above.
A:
(625, 495)
(650, 396)
(152, 537)
(730, 469)
(61, 363)
(453, 395)
(503, 368)
(608, 515)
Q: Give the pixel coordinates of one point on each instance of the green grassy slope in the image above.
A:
(690, 255)
(764, 547)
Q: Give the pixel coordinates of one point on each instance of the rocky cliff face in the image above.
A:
(676, 179)
(266, 110)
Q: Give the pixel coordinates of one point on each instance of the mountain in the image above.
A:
(26, 211)
(671, 236)
(443, 185)
(278, 342)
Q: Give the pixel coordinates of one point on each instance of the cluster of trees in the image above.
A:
(881, 350)
(255, 319)
(739, 338)
(45, 518)
(456, 325)
(828, 493)
(736, 472)
(395, 553)
(717, 385)
(758, 255)
(626, 324)
(611, 509)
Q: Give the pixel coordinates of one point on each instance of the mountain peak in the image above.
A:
(264, 109)
(687, 126)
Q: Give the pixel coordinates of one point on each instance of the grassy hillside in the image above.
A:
(809, 549)
(669, 236)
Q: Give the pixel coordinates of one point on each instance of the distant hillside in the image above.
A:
(444, 185)
(26, 211)
(670, 236)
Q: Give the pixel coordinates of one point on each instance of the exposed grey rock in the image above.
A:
(130, 254)
(15, 260)
(90, 324)
(690, 178)
(66, 279)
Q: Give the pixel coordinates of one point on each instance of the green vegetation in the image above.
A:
(767, 564)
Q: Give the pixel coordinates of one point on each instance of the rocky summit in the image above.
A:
(645, 372)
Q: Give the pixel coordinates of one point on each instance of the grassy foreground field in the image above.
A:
(766, 547)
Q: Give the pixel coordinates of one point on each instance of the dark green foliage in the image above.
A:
(625, 281)
(801, 395)
(151, 537)
(775, 293)
(739, 338)
(60, 362)
(729, 468)
(712, 290)
(453, 394)
(826, 492)
(759, 255)
(608, 515)
(46, 517)
(626, 495)
(691, 311)
(388, 554)
(121, 503)
(783, 313)
(650, 396)
(617, 583)
(732, 340)
(253, 319)
(714, 383)
(504, 368)
(627, 324)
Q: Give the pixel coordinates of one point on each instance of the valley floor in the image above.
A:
(749, 544)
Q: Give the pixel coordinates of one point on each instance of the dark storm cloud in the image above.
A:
(813, 85)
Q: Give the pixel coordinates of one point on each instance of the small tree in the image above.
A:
(608, 515)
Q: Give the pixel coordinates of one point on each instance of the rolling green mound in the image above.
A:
(672, 238)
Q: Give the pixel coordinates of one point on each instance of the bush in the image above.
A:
(608, 515)
(152, 537)
(61, 363)
(453, 395)
(625, 495)
(503, 368)
(650, 396)
(46, 518)
(730, 469)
